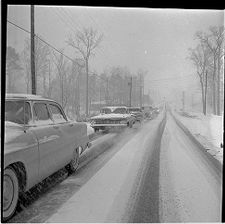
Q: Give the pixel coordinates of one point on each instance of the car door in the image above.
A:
(48, 139)
(67, 132)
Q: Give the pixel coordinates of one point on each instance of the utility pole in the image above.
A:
(140, 91)
(32, 53)
(100, 93)
(107, 91)
(205, 92)
(130, 84)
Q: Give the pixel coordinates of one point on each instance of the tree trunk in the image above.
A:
(44, 85)
(62, 91)
(203, 98)
(206, 93)
(49, 81)
(87, 86)
(214, 86)
(218, 84)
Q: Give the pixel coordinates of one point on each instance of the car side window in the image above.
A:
(57, 114)
(41, 114)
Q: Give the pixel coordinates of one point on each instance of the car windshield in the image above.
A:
(134, 110)
(120, 111)
(14, 111)
(105, 111)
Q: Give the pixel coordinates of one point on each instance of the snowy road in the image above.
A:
(46, 198)
(190, 184)
(152, 173)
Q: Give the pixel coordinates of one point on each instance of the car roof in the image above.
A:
(134, 108)
(23, 96)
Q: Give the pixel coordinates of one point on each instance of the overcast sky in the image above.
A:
(153, 39)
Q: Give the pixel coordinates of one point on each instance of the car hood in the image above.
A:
(111, 116)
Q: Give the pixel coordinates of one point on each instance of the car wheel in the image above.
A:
(74, 163)
(96, 129)
(10, 193)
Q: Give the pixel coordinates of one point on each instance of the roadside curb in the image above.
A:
(211, 158)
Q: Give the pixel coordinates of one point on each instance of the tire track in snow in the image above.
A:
(146, 206)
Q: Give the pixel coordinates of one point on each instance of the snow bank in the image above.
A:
(216, 128)
(90, 130)
(207, 129)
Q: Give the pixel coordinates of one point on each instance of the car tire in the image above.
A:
(10, 193)
(96, 129)
(74, 163)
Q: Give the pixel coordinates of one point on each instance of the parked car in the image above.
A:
(112, 117)
(39, 140)
(137, 113)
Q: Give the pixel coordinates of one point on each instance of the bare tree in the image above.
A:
(200, 57)
(12, 64)
(85, 43)
(25, 58)
(217, 34)
(214, 42)
(62, 71)
(42, 54)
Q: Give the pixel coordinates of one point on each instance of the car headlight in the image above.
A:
(93, 122)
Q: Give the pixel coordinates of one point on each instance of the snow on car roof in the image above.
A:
(134, 108)
(25, 96)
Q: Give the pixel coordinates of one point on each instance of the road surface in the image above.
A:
(152, 173)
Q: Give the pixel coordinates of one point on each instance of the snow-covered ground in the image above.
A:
(208, 130)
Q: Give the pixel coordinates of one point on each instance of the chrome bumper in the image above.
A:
(108, 125)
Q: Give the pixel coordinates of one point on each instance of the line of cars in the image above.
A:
(39, 140)
(117, 117)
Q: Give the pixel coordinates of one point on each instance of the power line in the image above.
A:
(65, 12)
(63, 18)
(68, 15)
(68, 21)
(175, 77)
(42, 40)
(18, 26)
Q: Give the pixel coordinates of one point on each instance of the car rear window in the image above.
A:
(105, 111)
(134, 110)
(17, 111)
(57, 114)
(120, 111)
